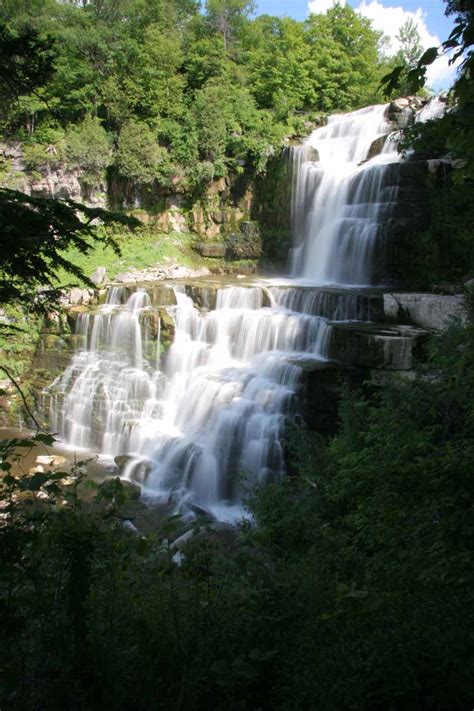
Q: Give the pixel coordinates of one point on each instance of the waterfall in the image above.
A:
(433, 109)
(202, 422)
(341, 199)
(207, 416)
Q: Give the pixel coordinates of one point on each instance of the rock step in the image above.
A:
(434, 312)
(368, 345)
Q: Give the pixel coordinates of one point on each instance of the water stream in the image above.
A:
(202, 422)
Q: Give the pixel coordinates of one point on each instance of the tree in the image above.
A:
(411, 48)
(138, 153)
(35, 235)
(279, 65)
(343, 59)
(408, 55)
(226, 16)
(454, 132)
(26, 65)
(89, 150)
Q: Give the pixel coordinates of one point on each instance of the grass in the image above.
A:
(141, 249)
(146, 248)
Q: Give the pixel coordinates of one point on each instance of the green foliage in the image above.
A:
(227, 16)
(143, 248)
(355, 587)
(411, 48)
(146, 71)
(26, 64)
(344, 59)
(89, 150)
(408, 55)
(35, 234)
(374, 539)
(139, 157)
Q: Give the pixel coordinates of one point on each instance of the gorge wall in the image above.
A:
(248, 217)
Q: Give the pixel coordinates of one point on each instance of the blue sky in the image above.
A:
(386, 15)
(436, 20)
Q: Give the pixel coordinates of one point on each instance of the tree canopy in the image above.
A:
(118, 64)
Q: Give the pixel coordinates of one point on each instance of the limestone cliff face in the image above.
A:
(57, 182)
(220, 217)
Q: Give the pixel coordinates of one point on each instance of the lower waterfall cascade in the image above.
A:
(202, 422)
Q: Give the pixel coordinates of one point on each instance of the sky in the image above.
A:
(387, 16)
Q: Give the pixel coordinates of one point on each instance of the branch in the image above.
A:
(13, 381)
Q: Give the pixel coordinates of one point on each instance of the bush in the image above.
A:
(139, 157)
(354, 588)
(89, 150)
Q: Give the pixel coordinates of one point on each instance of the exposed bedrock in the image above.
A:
(369, 345)
(432, 311)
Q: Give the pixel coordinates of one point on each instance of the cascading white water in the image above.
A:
(433, 109)
(211, 412)
(340, 201)
(215, 411)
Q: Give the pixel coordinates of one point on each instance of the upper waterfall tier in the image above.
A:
(340, 199)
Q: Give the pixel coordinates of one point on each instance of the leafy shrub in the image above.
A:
(89, 150)
(139, 157)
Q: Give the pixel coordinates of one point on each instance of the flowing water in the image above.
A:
(341, 202)
(202, 422)
(211, 412)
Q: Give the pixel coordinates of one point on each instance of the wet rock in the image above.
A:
(203, 295)
(246, 244)
(132, 489)
(167, 328)
(183, 540)
(128, 525)
(432, 311)
(377, 146)
(312, 154)
(162, 296)
(51, 460)
(401, 113)
(321, 390)
(372, 346)
(121, 461)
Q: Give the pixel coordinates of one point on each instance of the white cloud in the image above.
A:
(389, 20)
(320, 7)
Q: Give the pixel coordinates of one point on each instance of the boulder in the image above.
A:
(399, 104)
(312, 154)
(126, 278)
(203, 295)
(214, 250)
(99, 276)
(121, 461)
(377, 146)
(51, 460)
(132, 488)
(401, 113)
(79, 297)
